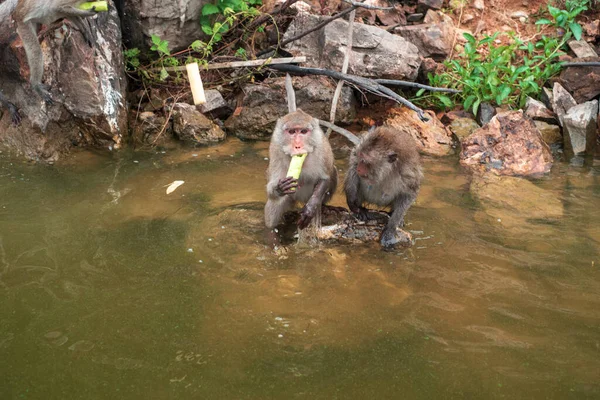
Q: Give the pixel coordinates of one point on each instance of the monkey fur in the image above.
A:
(28, 14)
(385, 170)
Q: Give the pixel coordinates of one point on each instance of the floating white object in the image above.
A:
(174, 185)
(196, 83)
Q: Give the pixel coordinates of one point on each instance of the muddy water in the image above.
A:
(110, 288)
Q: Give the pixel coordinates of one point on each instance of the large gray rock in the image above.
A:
(510, 144)
(190, 126)
(376, 53)
(580, 128)
(87, 84)
(425, 5)
(433, 38)
(173, 20)
(263, 104)
(582, 49)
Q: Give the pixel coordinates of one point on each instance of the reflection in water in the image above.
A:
(110, 288)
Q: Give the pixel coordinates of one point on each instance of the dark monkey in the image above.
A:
(28, 14)
(298, 133)
(385, 170)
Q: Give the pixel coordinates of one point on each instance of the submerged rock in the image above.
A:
(191, 126)
(510, 144)
(550, 133)
(150, 128)
(431, 137)
(376, 53)
(264, 103)
(463, 127)
(580, 128)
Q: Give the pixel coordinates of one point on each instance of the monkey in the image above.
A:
(12, 109)
(385, 170)
(28, 14)
(298, 133)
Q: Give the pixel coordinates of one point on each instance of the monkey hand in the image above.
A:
(361, 213)
(306, 215)
(43, 92)
(286, 186)
(14, 114)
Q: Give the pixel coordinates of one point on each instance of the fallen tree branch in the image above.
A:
(344, 132)
(240, 64)
(414, 85)
(265, 17)
(581, 64)
(367, 6)
(367, 84)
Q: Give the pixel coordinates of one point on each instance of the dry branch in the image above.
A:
(344, 132)
(240, 64)
(414, 85)
(366, 84)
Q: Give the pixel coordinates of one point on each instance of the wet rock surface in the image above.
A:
(376, 53)
(431, 137)
(510, 144)
(463, 127)
(150, 128)
(550, 133)
(264, 103)
(191, 126)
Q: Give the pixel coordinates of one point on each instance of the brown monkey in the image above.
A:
(385, 170)
(28, 14)
(298, 133)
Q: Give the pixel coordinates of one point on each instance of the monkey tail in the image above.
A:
(291, 95)
(6, 10)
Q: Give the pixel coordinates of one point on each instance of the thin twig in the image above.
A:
(367, 84)
(340, 85)
(316, 28)
(367, 6)
(344, 132)
(414, 85)
(240, 64)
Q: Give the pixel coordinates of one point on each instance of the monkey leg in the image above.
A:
(404, 201)
(35, 59)
(275, 208)
(12, 109)
(313, 204)
(83, 25)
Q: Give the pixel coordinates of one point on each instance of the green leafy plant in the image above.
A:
(502, 74)
(565, 19)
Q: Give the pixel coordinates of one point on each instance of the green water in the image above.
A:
(110, 288)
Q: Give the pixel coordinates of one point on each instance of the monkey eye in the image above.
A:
(392, 157)
(291, 131)
(304, 131)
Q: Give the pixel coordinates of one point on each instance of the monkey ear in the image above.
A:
(392, 157)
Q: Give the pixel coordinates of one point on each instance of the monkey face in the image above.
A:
(374, 166)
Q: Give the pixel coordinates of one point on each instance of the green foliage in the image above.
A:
(503, 72)
(565, 19)
(132, 59)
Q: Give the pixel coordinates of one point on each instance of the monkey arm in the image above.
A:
(353, 199)
(401, 205)
(70, 11)
(312, 205)
(28, 35)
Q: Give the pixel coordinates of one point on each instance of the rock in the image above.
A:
(175, 21)
(415, 17)
(392, 17)
(580, 128)
(264, 103)
(537, 111)
(431, 137)
(426, 5)
(88, 85)
(562, 101)
(550, 132)
(376, 53)
(485, 113)
(433, 38)
(478, 5)
(583, 82)
(450, 116)
(547, 97)
(582, 49)
(147, 128)
(467, 18)
(215, 104)
(519, 14)
(428, 66)
(463, 127)
(510, 144)
(190, 126)
(592, 28)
